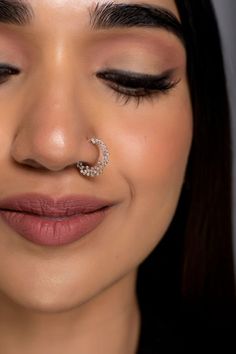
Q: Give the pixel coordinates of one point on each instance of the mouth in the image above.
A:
(54, 215)
(47, 222)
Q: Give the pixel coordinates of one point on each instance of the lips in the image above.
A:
(53, 222)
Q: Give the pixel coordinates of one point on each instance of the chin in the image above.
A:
(49, 304)
(51, 297)
(44, 303)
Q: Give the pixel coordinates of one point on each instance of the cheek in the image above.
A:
(153, 153)
(155, 146)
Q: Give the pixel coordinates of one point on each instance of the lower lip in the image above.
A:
(53, 231)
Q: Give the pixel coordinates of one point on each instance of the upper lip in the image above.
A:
(44, 205)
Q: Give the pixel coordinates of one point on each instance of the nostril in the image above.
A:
(33, 164)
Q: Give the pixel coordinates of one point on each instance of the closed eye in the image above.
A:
(6, 71)
(130, 85)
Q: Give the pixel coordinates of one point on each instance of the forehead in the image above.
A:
(63, 17)
(73, 3)
(76, 7)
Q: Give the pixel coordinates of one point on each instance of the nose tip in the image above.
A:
(53, 151)
(53, 123)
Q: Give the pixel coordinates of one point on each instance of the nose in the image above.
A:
(53, 128)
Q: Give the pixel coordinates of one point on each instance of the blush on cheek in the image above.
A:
(172, 147)
(157, 150)
(154, 166)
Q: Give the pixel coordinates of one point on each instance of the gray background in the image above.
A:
(226, 12)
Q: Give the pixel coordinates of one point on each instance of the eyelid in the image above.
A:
(9, 67)
(138, 83)
(136, 86)
(134, 81)
(115, 73)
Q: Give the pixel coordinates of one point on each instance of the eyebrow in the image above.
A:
(103, 16)
(120, 15)
(16, 12)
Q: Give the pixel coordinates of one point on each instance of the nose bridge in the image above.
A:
(57, 85)
(53, 99)
(54, 131)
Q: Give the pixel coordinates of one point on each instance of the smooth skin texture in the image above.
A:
(81, 298)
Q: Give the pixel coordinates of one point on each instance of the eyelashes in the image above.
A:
(6, 71)
(126, 85)
(134, 86)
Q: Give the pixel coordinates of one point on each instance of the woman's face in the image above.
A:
(51, 105)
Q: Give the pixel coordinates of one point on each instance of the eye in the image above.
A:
(6, 71)
(129, 85)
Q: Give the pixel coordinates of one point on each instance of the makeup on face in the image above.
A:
(116, 22)
(139, 65)
(47, 221)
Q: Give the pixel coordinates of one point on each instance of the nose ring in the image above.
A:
(96, 170)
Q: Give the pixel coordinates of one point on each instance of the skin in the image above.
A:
(81, 298)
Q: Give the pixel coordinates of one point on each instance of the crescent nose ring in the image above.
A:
(96, 170)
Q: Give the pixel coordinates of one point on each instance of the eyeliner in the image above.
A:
(132, 79)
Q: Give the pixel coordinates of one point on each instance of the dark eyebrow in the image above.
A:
(16, 12)
(110, 15)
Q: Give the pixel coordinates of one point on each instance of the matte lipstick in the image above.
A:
(47, 221)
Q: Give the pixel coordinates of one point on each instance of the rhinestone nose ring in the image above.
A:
(96, 170)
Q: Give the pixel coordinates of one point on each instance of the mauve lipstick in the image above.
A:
(50, 221)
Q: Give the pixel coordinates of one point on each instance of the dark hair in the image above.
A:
(192, 267)
(208, 240)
